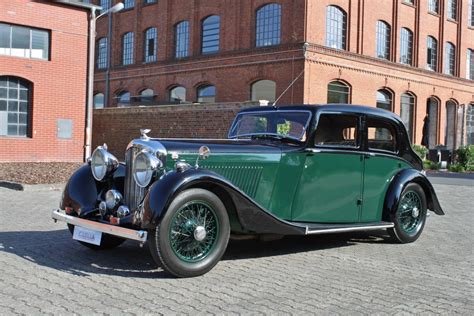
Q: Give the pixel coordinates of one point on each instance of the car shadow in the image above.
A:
(57, 250)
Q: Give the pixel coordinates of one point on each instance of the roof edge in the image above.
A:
(78, 4)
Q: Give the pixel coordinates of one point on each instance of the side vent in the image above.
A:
(246, 178)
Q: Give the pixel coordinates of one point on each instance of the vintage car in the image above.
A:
(293, 170)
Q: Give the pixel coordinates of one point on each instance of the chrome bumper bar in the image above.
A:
(138, 235)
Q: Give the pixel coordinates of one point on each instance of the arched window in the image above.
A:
(470, 124)
(178, 94)
(151, 45)
(14, 106)
(210, 31)
(336, 27)
(470, 64)
(206, 94)
(181, 39)
(338, 92)
(268, 30)
(102, 53)
(123, 98)
(430, 124)
(451, 109)
(264, 90)
(99, 101)
(433, 6)
(383, 40)
(147, 95)
(384, 100)
(407, 111)
(452, 9)
(127, 49)
(406, 46)
(449, 59)
(432, 53)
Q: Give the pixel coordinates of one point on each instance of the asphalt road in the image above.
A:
(43, 271)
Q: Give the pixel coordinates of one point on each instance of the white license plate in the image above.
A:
(87, 235)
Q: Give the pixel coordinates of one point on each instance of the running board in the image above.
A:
(314, 229)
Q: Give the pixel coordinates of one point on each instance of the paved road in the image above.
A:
(42, 271)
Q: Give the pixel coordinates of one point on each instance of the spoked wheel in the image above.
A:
(193, 234)
(410, 218)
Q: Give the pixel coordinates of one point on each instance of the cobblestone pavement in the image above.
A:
(43, 271)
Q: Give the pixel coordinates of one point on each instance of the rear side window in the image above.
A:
(336, 130)
(381, 135)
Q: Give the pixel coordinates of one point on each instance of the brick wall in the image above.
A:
(118, 126)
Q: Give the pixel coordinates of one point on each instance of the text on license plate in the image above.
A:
(87, 235)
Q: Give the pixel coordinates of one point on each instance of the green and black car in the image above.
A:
(293, 170)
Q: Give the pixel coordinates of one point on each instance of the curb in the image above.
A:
(31, 187)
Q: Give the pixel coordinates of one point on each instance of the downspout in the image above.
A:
(90, 85)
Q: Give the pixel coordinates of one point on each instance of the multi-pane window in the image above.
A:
(406, 46)
(181, 39)
(338, 92)
(470, 124)
(383, 40)
(470, 13)
(151, 44)
(149, 1)
(433, 6)
(268, 24)
(384, 100)
(19, 41)
(127, 48)
(14, 106)
(449, 59)
(336, 27)
(105, 4)
(432, 53)
(178, 94)
(452, 9)
(99, 101)
(102, 53)
(470, 64)
(264, 90)
(210, 34)
(128, 4)
(206, 94)
(407, 110)
(147, 96)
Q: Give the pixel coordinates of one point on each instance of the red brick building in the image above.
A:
(414, 57)
(43, 80)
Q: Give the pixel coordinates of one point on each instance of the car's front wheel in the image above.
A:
(193, 234)
(410, 217)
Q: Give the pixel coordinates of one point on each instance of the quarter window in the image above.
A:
(383, 40)
(210, 34)
(206, 94)
(432, 53)
(102, 53)
(178, 94)
(151, 41)
(268, 24)
(381, 135)
(433, 6)
(19, 41)
(336, 27)
(264, 90)
(14, 106)
(127, 49)
(335, 130)
(182, 39)
(338, 92)
(450, 60)
(406, 46)
(407, 110)
(452, 8)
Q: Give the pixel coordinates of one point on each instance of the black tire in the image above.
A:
(107, 241)
(409, 223)
(160, 240)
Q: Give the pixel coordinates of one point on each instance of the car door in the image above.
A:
(330, 187)
(381, 163)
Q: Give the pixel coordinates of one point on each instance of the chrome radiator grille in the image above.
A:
(133, 193)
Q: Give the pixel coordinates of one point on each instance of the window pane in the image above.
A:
(99, 101)
(206, 94)
(338, 92)
(406, 46)
(406, 112)
(264, 90)
(470, 13)
(336, 27)
(470, 64)
(39, 44)
(381, 135)
(210, 34)
(449, 61)
(268, 24)
(337, 131)
(432, 54)
(383, 40)
(433, 6)
(452, 8)
(127, 48)
(384, 100)
(128, 4)
(5, 39)
(182, 40)
(13, 113)
(147, 95)
(20, 41)
(178, 94)
(102, 53)
(151, 41)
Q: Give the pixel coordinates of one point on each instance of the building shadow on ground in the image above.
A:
(57, 250)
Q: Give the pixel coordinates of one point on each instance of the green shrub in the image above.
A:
(464, 156)
(420, 150)
(456, 167)
(430, 165)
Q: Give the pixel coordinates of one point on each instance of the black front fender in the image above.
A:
(252, 217)
(398, 184)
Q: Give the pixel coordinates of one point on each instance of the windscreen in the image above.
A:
(285, 124)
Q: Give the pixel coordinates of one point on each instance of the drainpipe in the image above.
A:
(90, 84)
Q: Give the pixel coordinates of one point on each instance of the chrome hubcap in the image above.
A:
(415, 212)
(200, 233)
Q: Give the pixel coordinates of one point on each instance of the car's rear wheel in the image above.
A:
(410, 217)
(107, 241)
(193, 234)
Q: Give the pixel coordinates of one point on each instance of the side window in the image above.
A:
(381, 135)
(335, 130)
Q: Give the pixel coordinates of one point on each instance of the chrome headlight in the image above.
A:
(145, 167)
(103, 163)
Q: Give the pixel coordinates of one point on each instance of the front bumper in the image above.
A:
(138, 235)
